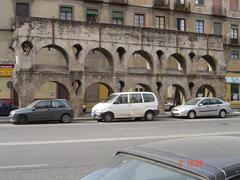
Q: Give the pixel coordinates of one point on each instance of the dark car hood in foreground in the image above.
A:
(218, 153)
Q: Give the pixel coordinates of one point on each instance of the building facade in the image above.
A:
(74, 48)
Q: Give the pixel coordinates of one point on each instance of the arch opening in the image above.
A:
(175, 96)
(140, 62)
(99, 60)
(206, 91)
(95, 93)
(140, 87)
(176, 62)
(206, 64)
(52, 90)
(52, 55)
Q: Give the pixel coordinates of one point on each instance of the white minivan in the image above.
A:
(127, 105)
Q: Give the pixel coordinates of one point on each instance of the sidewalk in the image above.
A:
(87, 116)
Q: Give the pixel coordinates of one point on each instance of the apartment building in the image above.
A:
(85, 49)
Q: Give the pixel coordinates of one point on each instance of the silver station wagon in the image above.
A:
(204, 106)
(44, 110)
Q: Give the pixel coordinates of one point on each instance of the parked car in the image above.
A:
(5, 108)
(196, 158)
(204, 106)
(55, 109)
(168, 106)
(127, 105)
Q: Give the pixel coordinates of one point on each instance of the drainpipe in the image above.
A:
(100, 35)
(53, 31)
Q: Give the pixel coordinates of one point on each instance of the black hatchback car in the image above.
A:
(198, 158)
(43, 110)
(6, 108)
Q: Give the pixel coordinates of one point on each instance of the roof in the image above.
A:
(219, 152)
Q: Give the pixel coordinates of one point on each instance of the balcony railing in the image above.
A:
(233, 41)
(161, 4)
(94, 1)
(218, 11)
(186, 7)
(119, 2)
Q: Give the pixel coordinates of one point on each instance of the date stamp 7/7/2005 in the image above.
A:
(191, 163)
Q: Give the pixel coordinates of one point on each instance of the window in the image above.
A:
(205, 102)
(92, 15)
(135, 98)
(181, 25)
(199, 2)
(234, 92)
(217, 28)
(234, 33)
(160, 22)
(58, 104)
(180, 1)
(215, 101)
(65, 13)
(148, 98)
(234, 54)
(122, 99)
(22, 9)
(117, 17)
(233, 5)
(139, 20)
(199, 26)
(43, 105)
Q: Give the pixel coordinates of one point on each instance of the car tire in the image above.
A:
(108, 117)
(191, 115)
(66, 118)
(222, 114)
(22, 119)
(149, 116)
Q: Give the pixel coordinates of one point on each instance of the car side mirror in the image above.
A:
(201, 104)
(33, 108)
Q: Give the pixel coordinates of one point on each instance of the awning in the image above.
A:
(232, 80)
(117, 15)
(92, 12)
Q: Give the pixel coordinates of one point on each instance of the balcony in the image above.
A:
(161, 4)
(119, 2)
(186, 7)
(233, 41)
(94, 1)
(218, 11)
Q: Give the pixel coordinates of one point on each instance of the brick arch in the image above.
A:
(59, 49)
(209, 88)
(180, 59)
(106, 53)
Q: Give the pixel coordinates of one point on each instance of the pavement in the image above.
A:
(87, 116)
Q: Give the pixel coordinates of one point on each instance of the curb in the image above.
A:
(89, 119)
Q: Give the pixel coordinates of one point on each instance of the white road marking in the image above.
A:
(115, 139)
(135, 128)
(23, 166)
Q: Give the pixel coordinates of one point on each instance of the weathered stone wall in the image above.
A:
(63, 35)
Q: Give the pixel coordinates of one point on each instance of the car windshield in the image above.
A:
(193, 102)
(110, 98)
(128, 167)
(32, 104)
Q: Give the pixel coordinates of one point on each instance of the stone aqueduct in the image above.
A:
(117, 43)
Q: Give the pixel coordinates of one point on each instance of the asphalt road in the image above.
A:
(67, 151)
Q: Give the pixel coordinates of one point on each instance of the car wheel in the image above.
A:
(149, 116)
(108, 117)
(22, 119)
(222, 114)
(191, 115)
(66, 118)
